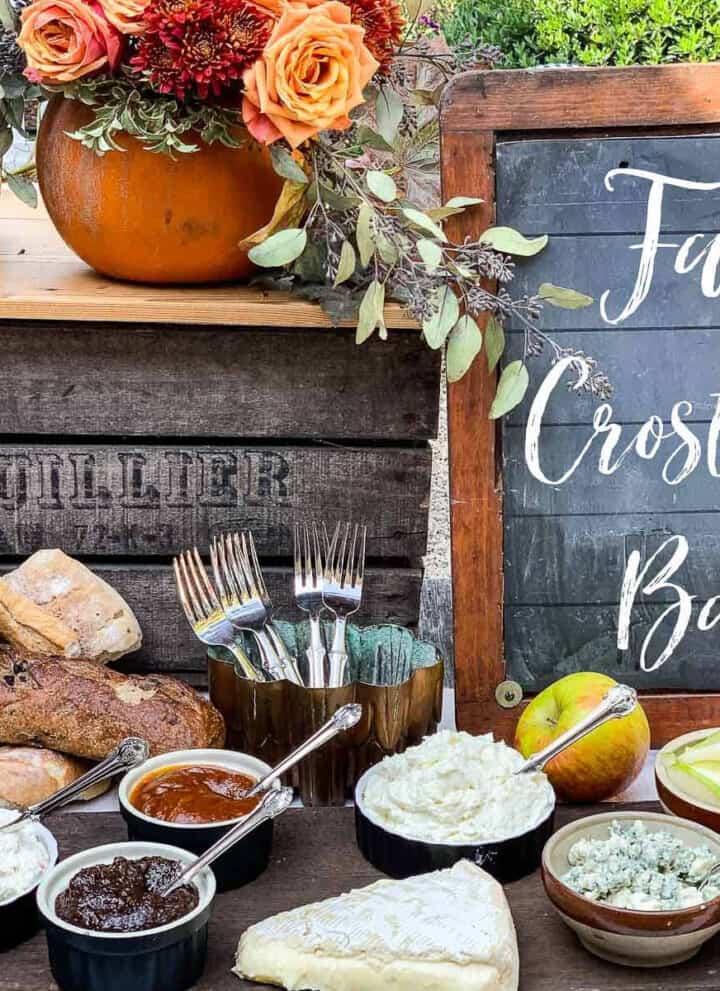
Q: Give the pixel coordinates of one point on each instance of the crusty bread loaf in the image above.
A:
(53, 604)
(31, 774)
(84, 709)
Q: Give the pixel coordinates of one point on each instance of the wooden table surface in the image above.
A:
(316, 857)
(41, 279)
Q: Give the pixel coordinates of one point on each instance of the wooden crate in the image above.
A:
(136, 421)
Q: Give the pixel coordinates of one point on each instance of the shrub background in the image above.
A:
(589, 32)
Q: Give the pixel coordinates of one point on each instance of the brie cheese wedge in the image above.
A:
(447, 931)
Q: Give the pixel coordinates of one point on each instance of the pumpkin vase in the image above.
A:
(145, 217)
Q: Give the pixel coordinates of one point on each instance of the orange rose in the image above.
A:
(125, 15)
(310, 76)
(64, 40)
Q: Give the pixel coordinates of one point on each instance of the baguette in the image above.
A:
(81, 708)
(28, 625)
(31, 774)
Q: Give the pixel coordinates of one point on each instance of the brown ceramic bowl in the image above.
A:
(687, 802)
(627, 936)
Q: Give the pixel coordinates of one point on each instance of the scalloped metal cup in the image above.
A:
(397, 678)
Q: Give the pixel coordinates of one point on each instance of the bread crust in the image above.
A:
(31, 774)
(81, 708)
(33, 628)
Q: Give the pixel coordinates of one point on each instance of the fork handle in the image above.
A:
(316, 654)
(286, 659)
(244, 663)
(270, 661)
(338, 653)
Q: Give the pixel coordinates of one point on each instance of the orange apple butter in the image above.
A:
(193, 793)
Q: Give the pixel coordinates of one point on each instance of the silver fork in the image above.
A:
(204, 612)
(309, 578)
(342, 590)
(286, 659)
(240, 601)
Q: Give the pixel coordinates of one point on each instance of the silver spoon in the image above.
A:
(129, 753)
(619, 701)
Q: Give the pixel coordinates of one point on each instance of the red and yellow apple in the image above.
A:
(600, 764)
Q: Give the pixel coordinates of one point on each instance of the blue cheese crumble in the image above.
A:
(639, 869)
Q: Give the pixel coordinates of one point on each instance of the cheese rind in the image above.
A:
(447, 931)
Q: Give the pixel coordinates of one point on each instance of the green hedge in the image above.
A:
(590, 32)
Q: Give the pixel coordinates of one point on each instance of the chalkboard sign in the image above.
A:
(586, 534)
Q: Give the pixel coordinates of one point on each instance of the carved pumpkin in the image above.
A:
(145, 217)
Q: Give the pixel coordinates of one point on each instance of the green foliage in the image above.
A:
(590, 32)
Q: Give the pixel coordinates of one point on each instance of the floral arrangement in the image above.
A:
(345, 94)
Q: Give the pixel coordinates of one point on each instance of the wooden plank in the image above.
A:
(637, 394)
(576, 200)
(542, 555)
(40, 279)
(154, 500)
(390, 595)
(560, 99)
(315, 856)
(543, 643)
(192, 382)
(436, 620)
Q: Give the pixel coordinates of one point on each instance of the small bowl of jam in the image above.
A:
(190, 798)
(108, 928)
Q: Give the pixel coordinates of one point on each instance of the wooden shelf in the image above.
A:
(41, 279)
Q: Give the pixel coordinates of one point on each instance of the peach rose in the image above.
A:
(310, 76)
(125, 15)
(64, 40)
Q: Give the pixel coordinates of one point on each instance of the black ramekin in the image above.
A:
(168, 958)
(243, 862)
(19, 919)
(400, 856)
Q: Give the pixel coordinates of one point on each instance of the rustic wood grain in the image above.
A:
(390, 595)
(208, 381)
(41, 279)
(154, 500)
(315, 857)
(479, 108)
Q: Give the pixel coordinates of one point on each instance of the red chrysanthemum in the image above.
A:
(192, 47)
(384, 24)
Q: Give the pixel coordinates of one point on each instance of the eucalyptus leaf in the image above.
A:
(6, 140)
(371, 139)
(430, 252)
(387, 250)
(463, 201)
(464, 345)
(494, 342)
(337, 201)
(512, 242)
(279, 249)
(346, 265)
(567, 299)
(371, 311)
(423, 98)
(421, 220)
(364, 234)
(445, 314)
(285, 165)
(381, 185)
(23, 188)
(8, 17)
(511, 389)
(389, 112)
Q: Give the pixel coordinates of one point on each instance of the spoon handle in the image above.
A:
(619, 701)
(272, 804)
(345, 718)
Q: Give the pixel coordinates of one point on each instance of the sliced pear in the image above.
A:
(699, 780)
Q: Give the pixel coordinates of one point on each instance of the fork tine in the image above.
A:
(182, 593)
(244, 565)
(215, 559)
(348, 570)
(318, 568)
(190, 586)
(234, 572)
(296, 553)
(207, 589)
(360, 570)
(342, 559)
(331, 552)
(306, 559)
(254, 561)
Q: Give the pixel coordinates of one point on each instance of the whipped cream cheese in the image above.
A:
(23, 858)
(457, 788)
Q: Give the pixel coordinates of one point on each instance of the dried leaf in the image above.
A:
(371, 312)
(464, 345)
(381, 185)
(512, 242)
(279, 249)
(364, 234)
(23, 188)
(445, 314)
(430, 252)
(494, 342)
(346, 265)
(511, 389)
(567, 299)
(371, 139)
(286, 166)
(288, 212)
(419, 219)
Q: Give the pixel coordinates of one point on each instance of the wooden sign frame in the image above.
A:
(478, 108)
